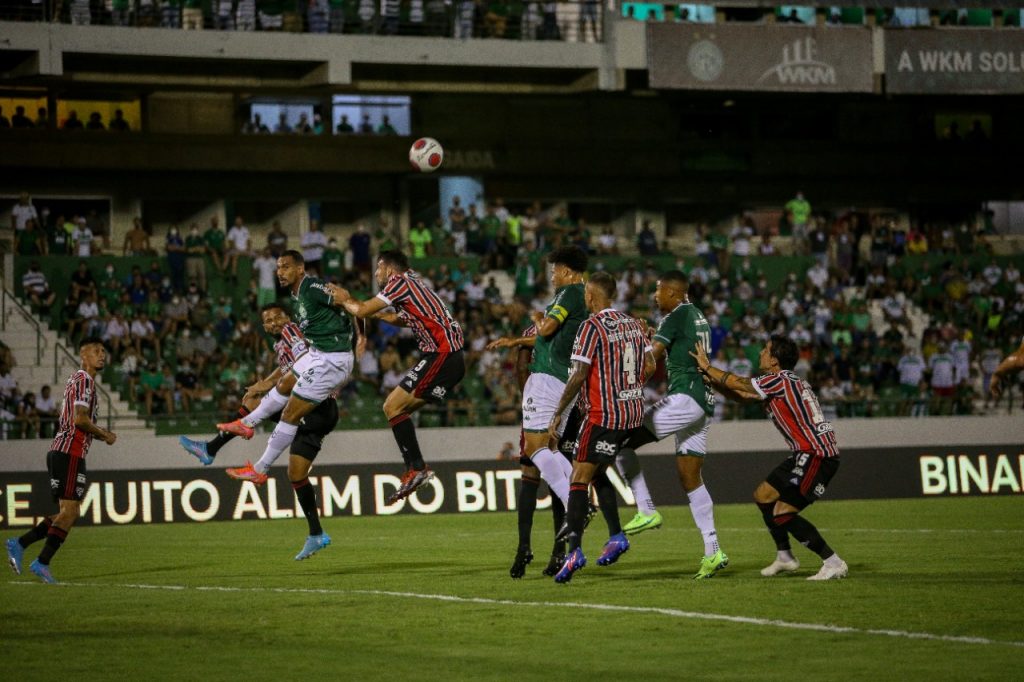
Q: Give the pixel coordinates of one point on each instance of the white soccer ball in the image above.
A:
(426, 155)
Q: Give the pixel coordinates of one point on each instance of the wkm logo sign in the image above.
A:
(800, 66)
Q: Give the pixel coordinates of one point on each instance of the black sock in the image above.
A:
(609, 505)
(405, 436)
(36, 534)
(221, 439)
(805, 533)
(779, 535)
(527, 505)
(558, 512)
(54, 539)
(577, 512)
(306, 493)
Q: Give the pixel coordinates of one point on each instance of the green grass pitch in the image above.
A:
(226, 601)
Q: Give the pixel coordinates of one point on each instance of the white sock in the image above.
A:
(833, 560)
(280, 439)
(552, 473)
(271, 403)
(638, 484)
(703, 511)
(785, 555)
(565, 463)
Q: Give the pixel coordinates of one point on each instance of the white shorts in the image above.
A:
(680, 414)
(541, 396)
(319, 374)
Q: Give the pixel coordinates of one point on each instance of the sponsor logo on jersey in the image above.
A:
(631, 394)
(819, 490)
(439, 391)
(603, 447)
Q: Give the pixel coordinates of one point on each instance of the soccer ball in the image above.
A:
(426, 155)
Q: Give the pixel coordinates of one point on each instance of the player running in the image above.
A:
(685, 413)
(65, 462)
(439, 370)
(801, 479)
(609, 362)
(322, 369)
(312, 429)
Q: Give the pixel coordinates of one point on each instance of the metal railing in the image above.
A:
(16, 306)
(62, 356)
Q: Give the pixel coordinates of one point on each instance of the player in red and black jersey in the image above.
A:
(66, 461)
(610, 360)
(440, 368)
(803, 476)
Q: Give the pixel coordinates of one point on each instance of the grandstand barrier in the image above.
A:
(151, 480)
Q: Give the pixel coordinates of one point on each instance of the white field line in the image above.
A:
(671, 613)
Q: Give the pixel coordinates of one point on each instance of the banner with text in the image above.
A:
(169, 495)
(954, 61)
(780, 58)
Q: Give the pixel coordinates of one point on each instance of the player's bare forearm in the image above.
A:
(572, 387)
(732, 386)
(84, 422)
(390, 318)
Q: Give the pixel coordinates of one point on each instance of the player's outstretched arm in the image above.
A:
(84, 422)
(728, 384)
(1011, 364)
(512, 342)
(341, 297)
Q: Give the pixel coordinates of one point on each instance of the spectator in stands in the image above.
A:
(420, 241)
(186, 385)
(385, 127)
(118, 124)
(82, 282)
(144, 335)
(82, 238)
(136, 241)
(239, 244)
(943, 380)
(265, 267)
(277, 240)
(174, 245)
(195, 257)
(313, 243)
(798, 213)
(8, 384)
(303, 127)
(37, 289)
(20, 120)
(214, 238)
(27, 417)
(646, 240)
(116, 334)
(170, 13)
(72, 122)
(22, 212)
(4, 121)
(46, 409)
(151, 381)
(175, 316)
(31, 241)
(95, 122)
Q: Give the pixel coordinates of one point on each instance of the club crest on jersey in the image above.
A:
(610, 323)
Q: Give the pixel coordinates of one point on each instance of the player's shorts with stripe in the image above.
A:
(802, 478)
(541, 396)
(313, 428)
(679, 414)
(67, 476)
(599, 445)
(318, 374)
(434, 375)
(570, 431)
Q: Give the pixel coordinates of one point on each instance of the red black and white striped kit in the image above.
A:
(79, 390)
(425, 313)
(794, 409)
(290, 347)
(613, 345)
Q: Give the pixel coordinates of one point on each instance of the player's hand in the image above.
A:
(553, 427)
(537, 317)
(498, 343)
(109, 437)
(995, 387)
(700, 356)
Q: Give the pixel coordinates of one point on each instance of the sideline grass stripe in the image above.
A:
(672, 613)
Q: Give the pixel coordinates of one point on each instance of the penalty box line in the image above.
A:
(650, 610)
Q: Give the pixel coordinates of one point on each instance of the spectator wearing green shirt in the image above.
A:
(420, 241)
(152, 384)
(31, 240)
(214, 238)
(799, 212)
(490, 227)
(333, 261)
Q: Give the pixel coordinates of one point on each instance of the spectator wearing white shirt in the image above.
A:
(239, 244)
(144, 334)
(943, 380)
(265, 267)
(741, 236)
(36, 288)
(313, 244)
(117, 334)
(992, 273)
(895, 311)
(46, 408)
(961, 349)
(22, 212)
(82, 238)
(86, 315)
(817, 275)
(8, 384)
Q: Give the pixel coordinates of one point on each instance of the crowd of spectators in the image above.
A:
(851, 306)
(508, 19)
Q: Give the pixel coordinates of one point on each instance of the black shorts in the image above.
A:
(434, 375)
(599, 445)
(313, 428)
(567, 443)
(802, 478)
(67, 476)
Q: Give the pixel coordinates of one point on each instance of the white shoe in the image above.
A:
(831, 570)
(779, 566)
